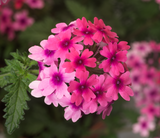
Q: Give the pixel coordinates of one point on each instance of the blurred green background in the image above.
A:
(132, 20)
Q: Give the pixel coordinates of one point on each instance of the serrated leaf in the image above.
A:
(15, 104)
(3, 80)
(14, 64)
(78, 10)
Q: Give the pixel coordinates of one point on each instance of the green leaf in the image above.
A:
(15, 77)
(15, 104)
(78, 10)
(14, 64)
(3, 79)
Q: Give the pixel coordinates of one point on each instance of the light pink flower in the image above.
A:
(148, 76)
(143, 126)
(36, 92)
(78, 62)
(63, 43)
(55, 81)
(141, 48)
(136, 79)
(114, 59)
(22, 21)
(72, 111)
(42, 53)
(60, 27)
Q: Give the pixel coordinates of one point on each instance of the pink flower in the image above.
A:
(114, 59)
(5, 16)
(154, 46)
(122, 45)
(99, 90)
(35, 4)
(141, 48)
(42, 53)
(152, 93)
(119, 84)
(158, 1)
(36, 92)
(8, 29)
(151, 111)
(41, 67)
(22, 21)
(60, 27)
(135, 61)
(79, 62)
(63, 43)
(55, 81)
(149, 76)
(82, 89)
(72, 111)
(84, 31)
(106, 110)
(136, 79)
(102, 31)
(143, 126)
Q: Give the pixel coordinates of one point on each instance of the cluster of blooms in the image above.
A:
(144, 60)
(82, 67)
(13, 19)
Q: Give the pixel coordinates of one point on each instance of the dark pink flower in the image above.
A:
(78, 62)
(106, 110)
(99, 90)
(84, 31)
(123, 45)
(8, 29)
(82, 90)
(102, 31)
(5, 16)
(114, 59)
(151, 111)
(119, 84)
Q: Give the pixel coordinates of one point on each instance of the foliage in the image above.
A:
(15, 80)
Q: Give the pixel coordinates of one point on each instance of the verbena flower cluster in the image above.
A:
(13, 19)
(144, 60)
(82, 68)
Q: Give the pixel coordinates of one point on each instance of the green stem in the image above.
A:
(34, 71)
